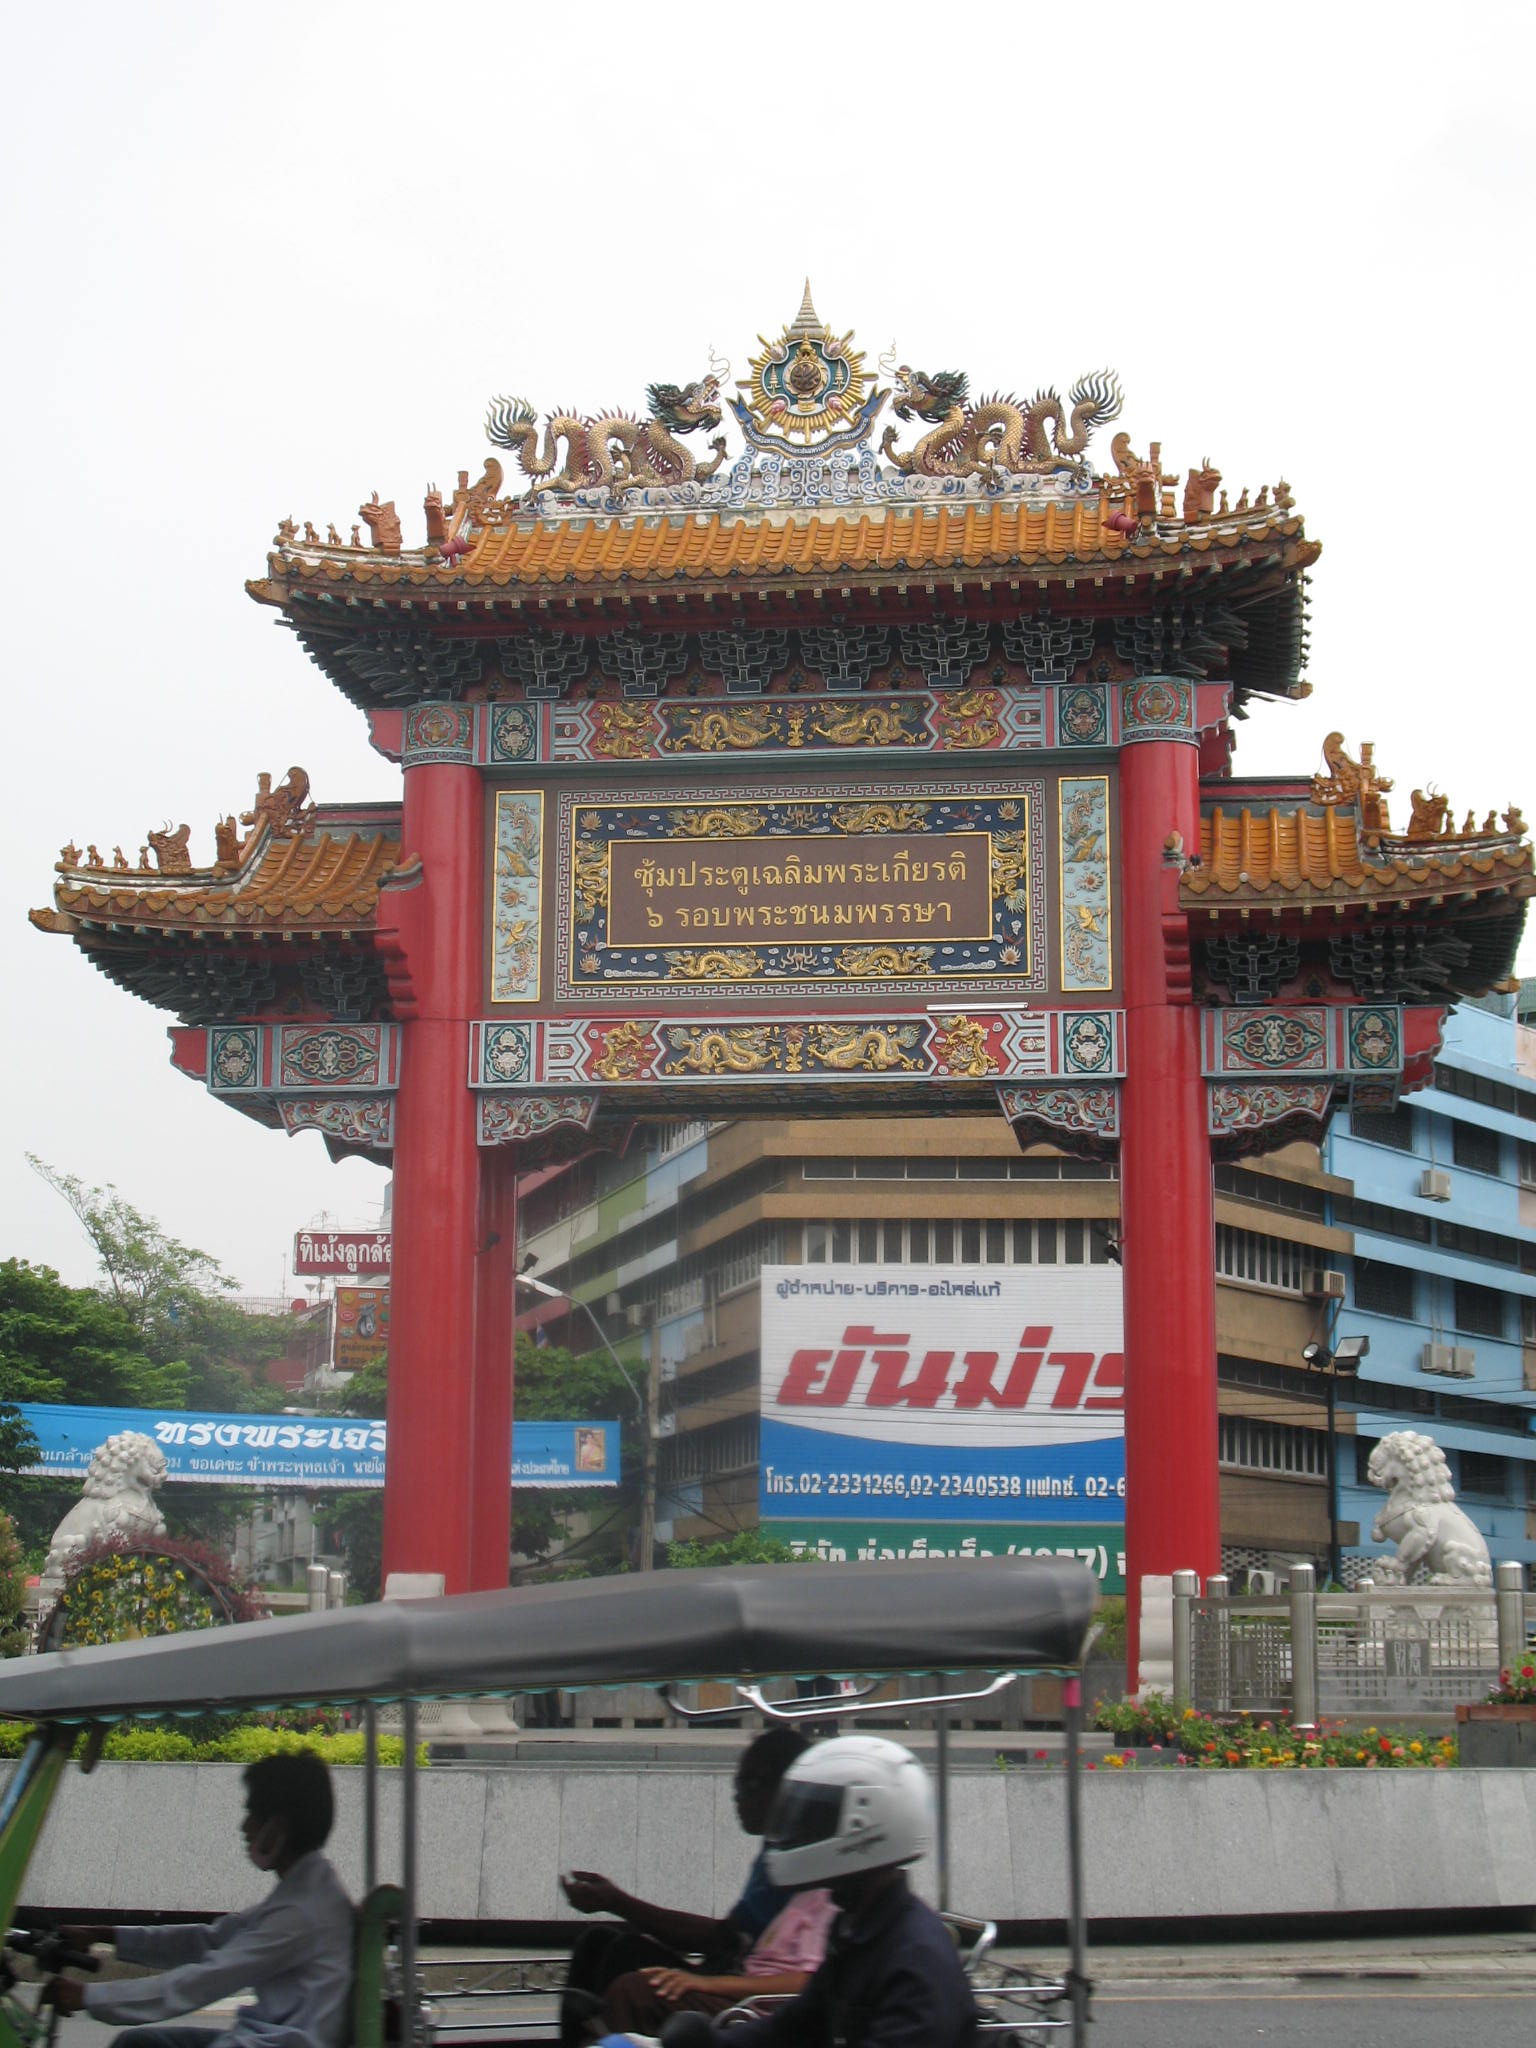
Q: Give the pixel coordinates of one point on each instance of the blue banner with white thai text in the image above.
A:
(293, 1453)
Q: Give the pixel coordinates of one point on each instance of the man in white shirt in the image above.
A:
(294, 1950)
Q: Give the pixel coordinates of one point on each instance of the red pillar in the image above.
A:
(490, 1527)
(428, 1490)
(1172, 1509)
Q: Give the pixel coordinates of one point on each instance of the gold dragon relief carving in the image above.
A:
(622, 732)
(866, 962)
(589, 877)
(872, 725)
(870, 1048)
(882, 817)
(961, 1045)
(714, 963)
(1010, 868)
(734, 821)
(624, 1053)
(737, 727)
(970, 719)
(725, 1049)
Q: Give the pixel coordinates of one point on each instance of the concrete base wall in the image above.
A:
(1159, 1845)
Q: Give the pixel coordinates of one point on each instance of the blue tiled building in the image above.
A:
(1443, 1278)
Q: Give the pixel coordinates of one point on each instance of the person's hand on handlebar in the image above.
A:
(82, 1937)
(67, 1993)
(589, 1892)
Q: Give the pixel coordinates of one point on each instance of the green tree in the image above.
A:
(551, 1384)
(177, 1301)
(13, 1591)
(747, 1546)
(71, 1344)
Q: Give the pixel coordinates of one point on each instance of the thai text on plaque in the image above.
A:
(933, 885)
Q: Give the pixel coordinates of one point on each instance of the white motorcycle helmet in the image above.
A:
(855, 1803)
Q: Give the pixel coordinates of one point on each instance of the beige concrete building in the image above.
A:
(666, 1245)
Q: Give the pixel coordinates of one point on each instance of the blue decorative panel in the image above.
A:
(517, 899)
(1086, 941)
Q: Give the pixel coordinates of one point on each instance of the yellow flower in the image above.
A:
(1417, 1748)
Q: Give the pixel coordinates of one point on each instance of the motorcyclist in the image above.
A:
(851, 1814)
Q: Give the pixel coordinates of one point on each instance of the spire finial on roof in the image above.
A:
(806, 325)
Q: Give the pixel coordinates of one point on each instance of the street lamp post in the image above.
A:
(644, 1412)
(1345, 1357)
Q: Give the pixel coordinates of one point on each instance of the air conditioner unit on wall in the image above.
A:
(1435, 1184)
(1451, 1361)
(1327, 1285)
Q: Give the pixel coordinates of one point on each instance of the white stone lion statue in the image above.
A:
(1421, 1516)
(118, 1498)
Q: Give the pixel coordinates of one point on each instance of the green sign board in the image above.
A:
(1099, 1545)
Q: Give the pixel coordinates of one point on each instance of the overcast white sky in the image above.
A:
(269, 259)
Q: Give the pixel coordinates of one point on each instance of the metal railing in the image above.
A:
(1378, 1650)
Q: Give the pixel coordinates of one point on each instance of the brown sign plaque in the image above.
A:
(922, 885)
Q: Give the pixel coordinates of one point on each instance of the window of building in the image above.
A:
(1478, 1088)
(1475, 1148)
(744, 1258)
(1380, 1221)
(1477, 1244)
(1482, 1474)
(1248, 1445)
(678, 1136)
(1528, 1318)
(930, 1169)
(943, 1240)
(1270, 1189)
(1392, 1127)
(1382, 1289)
(1526, 1152)
(983, 1167)
(1260, 1261)
(1479, 1310)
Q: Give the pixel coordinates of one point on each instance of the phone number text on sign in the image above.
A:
(794, 1486)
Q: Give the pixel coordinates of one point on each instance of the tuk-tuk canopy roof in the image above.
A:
(764, 1622)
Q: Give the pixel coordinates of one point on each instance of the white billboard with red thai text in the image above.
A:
(957, 1393)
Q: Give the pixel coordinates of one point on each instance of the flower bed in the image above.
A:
(1189, 1739)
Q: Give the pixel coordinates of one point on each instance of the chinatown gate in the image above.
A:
(880, 766)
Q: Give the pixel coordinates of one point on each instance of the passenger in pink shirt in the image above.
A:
(783, 1959)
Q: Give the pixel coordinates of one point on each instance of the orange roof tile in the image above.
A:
(1315, 851)
(713, 546)
(329, 881)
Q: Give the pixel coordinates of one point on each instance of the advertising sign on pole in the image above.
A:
(362, 1326)
(341, 1254)
(299, 1452)
(938, 1410)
